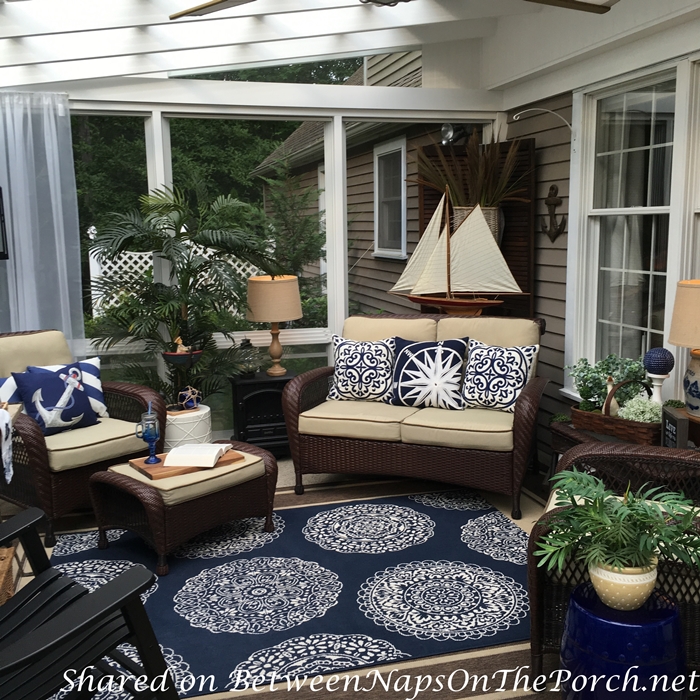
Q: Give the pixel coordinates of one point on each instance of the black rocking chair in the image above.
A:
(54, 625)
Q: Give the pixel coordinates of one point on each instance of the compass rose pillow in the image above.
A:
(57, 401)
(495, 376)
(429, 374)
(362, 370)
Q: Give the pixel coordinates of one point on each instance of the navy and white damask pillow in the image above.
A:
(428, 374)
(495, 376)
(363, 369)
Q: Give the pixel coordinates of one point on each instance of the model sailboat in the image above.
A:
(451, 272)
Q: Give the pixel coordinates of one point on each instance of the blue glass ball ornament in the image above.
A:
(189, 397)
(659, 361)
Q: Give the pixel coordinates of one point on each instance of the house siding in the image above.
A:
(553, 155)
(398, 69)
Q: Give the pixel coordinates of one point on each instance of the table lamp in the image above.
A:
(685, 332)
(274, 300)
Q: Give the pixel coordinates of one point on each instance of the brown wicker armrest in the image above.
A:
(524, 421)
(29, 451)
(301, 394)
(128, 401)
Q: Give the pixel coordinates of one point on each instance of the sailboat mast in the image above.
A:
(447, 241)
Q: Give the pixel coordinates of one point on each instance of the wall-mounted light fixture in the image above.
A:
(451, 133)
(598, 6)
(4, 250)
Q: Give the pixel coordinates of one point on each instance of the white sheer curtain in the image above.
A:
(40, 284)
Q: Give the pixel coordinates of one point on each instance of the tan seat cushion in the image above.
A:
(369, 328)
(364, 420)
(17, 352)
(109, 439)
(505, 332)
(472, 428)
(187, 487)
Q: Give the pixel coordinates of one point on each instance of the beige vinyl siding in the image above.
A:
(393, 68)
(553, 154)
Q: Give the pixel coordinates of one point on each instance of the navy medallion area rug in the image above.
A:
(335, 587)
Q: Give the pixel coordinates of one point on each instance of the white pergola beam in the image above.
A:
(207, 98)
(293, 50)
(321, 25)
(49, 17)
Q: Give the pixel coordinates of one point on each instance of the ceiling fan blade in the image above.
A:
(207, 7)
(597, 6)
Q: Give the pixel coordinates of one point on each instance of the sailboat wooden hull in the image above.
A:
(462, 306)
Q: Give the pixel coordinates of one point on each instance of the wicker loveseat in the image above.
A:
(475, 447)
(52, 472)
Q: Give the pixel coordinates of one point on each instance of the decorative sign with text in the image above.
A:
(674, 427)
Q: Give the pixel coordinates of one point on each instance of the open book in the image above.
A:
(201, 455)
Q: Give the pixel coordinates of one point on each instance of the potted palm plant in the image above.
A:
(197, 240)
(474, 176)
(619, 538)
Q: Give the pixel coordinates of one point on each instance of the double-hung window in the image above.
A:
(390, 199)
(629, 218)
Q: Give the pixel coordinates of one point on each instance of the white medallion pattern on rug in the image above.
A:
(443, 600)
(459, 499)
(178, 667)
(81, 541)
(312, 655)
(368, 528)
(236, 537)
(96, 572)
(496, 536)
(255, 596)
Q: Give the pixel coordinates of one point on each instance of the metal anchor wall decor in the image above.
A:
(554, 230)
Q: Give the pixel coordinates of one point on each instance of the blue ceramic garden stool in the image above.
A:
(600, 641)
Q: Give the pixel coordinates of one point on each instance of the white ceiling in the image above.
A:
(65, 40)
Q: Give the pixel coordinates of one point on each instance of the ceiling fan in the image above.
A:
(598, 6)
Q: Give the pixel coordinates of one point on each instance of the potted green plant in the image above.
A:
(197, 238)
(619, 538)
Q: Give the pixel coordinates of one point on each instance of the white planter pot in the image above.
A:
(623, 589)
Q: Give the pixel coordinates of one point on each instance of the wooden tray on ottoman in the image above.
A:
(160, 471)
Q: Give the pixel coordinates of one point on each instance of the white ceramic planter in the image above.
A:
(623, 589)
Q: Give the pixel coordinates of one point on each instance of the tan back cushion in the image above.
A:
(505, 332)
(370, 328)
(17, 352)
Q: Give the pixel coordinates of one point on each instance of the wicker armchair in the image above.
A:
(35, 482)
(617, 464)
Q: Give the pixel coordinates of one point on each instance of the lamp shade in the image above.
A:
(273, 299)
(685, 324)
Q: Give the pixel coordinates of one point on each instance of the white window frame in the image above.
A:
(583, 251)
(381, 150)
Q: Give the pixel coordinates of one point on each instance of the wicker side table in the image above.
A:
(122, 502)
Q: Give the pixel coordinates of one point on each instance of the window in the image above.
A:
(630, 217)
(390, 199)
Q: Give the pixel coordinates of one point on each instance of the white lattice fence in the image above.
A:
(142, 263)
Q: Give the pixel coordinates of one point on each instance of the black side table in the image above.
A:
(257, 411)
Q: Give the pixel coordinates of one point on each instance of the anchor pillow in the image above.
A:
(91, 381)
(495, 376)
(57, 401)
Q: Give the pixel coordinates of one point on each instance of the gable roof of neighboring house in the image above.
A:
(305, 145)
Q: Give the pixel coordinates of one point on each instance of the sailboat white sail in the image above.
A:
(476, 262)
(422, 253)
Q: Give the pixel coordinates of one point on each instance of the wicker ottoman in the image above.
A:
(168, 518)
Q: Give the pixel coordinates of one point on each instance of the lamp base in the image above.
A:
(691, 386)
(275, 351)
